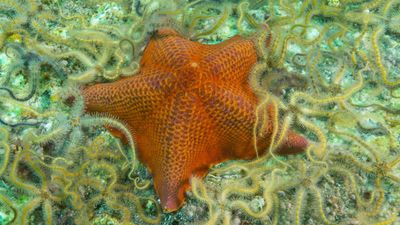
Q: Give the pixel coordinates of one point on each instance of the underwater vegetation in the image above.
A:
(331, 70)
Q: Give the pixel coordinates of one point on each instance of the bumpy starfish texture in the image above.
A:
(189, 107)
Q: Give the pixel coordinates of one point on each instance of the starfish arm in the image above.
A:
(187, 146)
(167, 49)
(129, 98)
(293, 144)
(230, 61)
(233, 113)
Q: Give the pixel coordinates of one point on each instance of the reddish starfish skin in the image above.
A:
(189, 107)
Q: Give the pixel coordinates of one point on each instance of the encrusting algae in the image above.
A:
(328, 69)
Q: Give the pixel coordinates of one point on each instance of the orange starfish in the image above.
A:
(189, 107)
